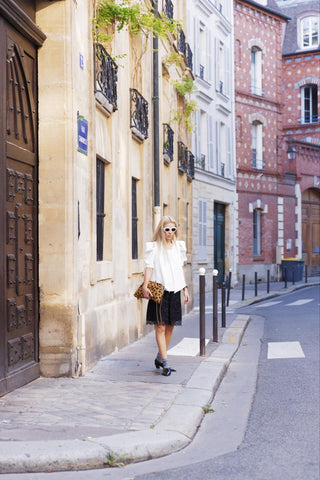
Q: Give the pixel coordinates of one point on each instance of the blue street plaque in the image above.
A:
(82, 135)
(81, 62)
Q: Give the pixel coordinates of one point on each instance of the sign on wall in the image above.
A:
(82, 135)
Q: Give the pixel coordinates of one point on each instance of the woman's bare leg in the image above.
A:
(160, 331)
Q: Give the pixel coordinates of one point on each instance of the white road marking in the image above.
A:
(269, 304)
(300, 302)
(188, 347)
(285, 350)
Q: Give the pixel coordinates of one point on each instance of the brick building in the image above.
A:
(266, 191)
(301, 128)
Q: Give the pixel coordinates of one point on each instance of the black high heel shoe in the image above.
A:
(157, 363)
(167, 371)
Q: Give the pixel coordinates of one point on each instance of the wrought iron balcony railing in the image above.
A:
(307, 118)
(167, 8)
(106, 75)
(201, 161)
(258, 163)
(168, 135)
(190, 167)
(189, 56)
(181, 43)
(138, 114)
(182, 157)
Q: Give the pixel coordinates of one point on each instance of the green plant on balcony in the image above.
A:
(136, 17)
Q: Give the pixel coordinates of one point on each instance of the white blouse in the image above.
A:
(167, 264)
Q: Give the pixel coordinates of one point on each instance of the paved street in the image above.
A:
(51, 407)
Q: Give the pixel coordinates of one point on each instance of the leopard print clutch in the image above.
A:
(155, 288)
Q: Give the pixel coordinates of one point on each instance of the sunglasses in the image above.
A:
(167, 229)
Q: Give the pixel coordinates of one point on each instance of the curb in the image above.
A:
(269, 296)
(174, 431)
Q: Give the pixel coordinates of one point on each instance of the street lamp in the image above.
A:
(291, 152)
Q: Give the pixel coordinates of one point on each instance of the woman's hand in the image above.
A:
(186, 295)
(146, 292)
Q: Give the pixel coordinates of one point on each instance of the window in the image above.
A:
(257, 161)
(202, 229)
(134, 218)
(309, 104)
(256, 71)
(309, 32)
(100, 207)
(256, 232)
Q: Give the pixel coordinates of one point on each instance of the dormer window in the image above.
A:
(309, 32)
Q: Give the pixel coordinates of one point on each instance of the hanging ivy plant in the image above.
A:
(136, 17)
(185, 86)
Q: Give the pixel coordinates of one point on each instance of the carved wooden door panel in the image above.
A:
(311, 230)
(18, 211)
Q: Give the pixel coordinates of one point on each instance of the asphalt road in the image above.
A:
(266, 420)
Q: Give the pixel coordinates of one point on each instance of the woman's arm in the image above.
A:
(147, 277)
(185, 290)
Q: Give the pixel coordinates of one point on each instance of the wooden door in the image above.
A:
(18, 210)
(311, 230)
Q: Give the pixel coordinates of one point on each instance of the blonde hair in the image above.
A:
(158, 235)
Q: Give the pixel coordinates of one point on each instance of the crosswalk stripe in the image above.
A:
(300, 302)
(285, 350)
(188, 347)
(269, 304)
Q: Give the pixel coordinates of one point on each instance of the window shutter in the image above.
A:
(217, 62)
(229, 166)
(217, 146)
(210, 142)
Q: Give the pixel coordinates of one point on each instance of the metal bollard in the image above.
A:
(293, 279)
(215, 305)
(306, 274)
(243, 285)
(202, 307)
(223, 305)
(285, 277)
(255, 284)
(268, 281)
(229, 286)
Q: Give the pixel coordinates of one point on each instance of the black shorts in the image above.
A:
(169, 312)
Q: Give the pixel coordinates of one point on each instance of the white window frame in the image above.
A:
(256, 71)
(257, 232)
(257, 145)
(306, 25)
(312, 115)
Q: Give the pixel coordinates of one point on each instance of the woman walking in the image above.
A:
(164, 260)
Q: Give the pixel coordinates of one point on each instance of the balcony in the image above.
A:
(201, 72)
(189, 56)
(138, 115)
(106, 75)
(308, 119)
(168, 135)
(190, 165)
(182, 157)
(167, 8)
(181, 43)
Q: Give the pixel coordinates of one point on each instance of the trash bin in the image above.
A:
(292, 265)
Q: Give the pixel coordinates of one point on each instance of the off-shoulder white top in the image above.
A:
(167, 264)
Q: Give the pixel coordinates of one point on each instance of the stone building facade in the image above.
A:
(105, 171)
(214, 189)
(301, 125)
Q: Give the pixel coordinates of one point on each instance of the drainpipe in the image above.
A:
(156, 170)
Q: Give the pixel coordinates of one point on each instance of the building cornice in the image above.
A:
(20, 20)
